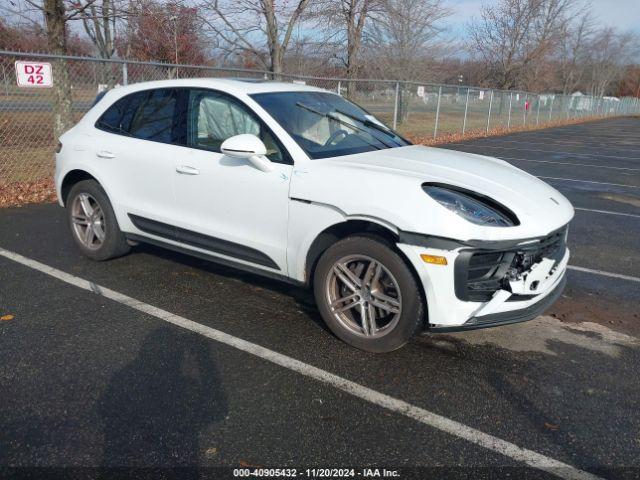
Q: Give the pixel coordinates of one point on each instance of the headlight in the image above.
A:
(478, 210)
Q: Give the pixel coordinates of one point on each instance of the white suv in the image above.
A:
(299, 184)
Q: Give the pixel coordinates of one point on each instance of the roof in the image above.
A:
(232, 85)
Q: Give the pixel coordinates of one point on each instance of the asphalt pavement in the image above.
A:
(88, 380)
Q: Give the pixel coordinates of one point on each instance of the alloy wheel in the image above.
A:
(363, 296)
(87, 218)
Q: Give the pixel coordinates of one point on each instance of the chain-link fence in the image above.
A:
(417, 110)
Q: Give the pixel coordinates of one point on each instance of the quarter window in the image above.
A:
(117, 118)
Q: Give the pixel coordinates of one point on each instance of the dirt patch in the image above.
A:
(579, 308)
(629, 200)
(545, 335)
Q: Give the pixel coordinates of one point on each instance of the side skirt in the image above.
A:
(214, 259)
(205, 242)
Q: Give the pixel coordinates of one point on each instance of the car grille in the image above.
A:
(479, 274)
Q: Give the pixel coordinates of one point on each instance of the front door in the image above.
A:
(227, 206)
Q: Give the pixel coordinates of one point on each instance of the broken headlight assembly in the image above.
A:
(472, 207)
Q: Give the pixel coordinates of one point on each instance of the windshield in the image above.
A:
(327, 125)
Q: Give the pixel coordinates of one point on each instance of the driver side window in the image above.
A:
(214, 117)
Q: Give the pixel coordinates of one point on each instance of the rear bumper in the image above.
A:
(506, 318)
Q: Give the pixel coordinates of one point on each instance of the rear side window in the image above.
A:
(148, 115)
(154, 118)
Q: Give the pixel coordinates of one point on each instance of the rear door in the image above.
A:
(136, 152)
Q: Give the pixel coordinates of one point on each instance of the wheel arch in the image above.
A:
(354, 225)
(70, 179)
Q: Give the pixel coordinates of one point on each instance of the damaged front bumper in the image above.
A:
(487, 284)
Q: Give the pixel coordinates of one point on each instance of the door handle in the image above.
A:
(105, 154)
(187, 170)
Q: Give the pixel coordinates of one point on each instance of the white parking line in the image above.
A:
(607, 212)
(562, 144)
(603, 273)
(444, 424)
(559, 152)
(570, 163)
(591, 181)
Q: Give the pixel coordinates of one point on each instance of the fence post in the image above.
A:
(489, 114)
(525, 111)
(339, 89)
(6, 83)
(125, 74)
(538, 113)
(509, 117)
(395, 107)
(466, 108)
(553, 97)
(435, 128)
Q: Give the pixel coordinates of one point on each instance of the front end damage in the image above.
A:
(493, 283)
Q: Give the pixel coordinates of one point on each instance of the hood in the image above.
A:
(389, 182)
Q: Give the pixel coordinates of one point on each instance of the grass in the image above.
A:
(27, 145)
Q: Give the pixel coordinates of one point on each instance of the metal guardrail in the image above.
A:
(418, 110)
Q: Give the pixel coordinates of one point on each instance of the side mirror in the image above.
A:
(249, 147)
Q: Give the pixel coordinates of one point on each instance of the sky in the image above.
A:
(623, 14)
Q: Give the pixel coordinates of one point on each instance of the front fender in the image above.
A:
(307, 220)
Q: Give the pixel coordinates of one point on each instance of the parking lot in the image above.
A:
(161, 360)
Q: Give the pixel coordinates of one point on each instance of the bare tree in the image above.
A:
(259, 28)
(514, 35)
(610, 52)
(99, 23)
(402, 38)
(403, 34)
(343, 22)
(573, 52)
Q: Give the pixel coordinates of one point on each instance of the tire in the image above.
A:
(388, 292)
(88, 207)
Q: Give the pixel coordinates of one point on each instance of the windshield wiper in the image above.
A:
(369, 123)
(343, 122)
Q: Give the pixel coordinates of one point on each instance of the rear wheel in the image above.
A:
(367, 295)
(93, 223)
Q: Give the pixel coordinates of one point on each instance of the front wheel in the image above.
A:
(367, 295)
(93, 223)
